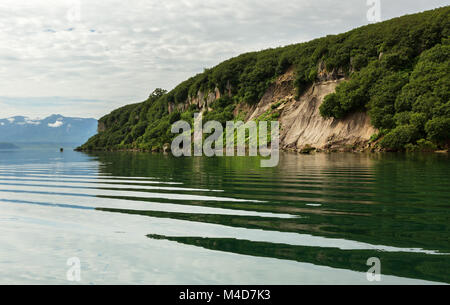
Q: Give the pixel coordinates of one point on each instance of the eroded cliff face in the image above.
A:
(101, 127)
(300, 120)
(301, 125)
(202, 100)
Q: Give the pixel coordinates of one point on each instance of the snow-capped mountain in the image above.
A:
(55, 129)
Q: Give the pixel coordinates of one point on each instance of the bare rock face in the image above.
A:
(281, 90)
(171, 107)
(166, 148)
(301, 124)
(204, 100)
(324, 75)
(101, 127)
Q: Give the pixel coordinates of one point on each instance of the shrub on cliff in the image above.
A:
(438, 130)
(399, 137)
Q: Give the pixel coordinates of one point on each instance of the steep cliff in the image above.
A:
(301, 123)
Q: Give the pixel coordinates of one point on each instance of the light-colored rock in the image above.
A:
(301, 124)
(166, 148)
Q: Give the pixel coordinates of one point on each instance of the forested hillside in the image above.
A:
(397, 71)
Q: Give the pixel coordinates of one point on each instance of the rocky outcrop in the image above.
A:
(324, 75)
(202, 100)
(101, 127)
(302, 126)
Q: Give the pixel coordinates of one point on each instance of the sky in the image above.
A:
(86, 58)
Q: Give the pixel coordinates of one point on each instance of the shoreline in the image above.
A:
(307, 151)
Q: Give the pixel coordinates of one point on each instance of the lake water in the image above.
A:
(135, 218)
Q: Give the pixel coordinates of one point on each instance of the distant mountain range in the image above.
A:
(55, 129)
(8, 146)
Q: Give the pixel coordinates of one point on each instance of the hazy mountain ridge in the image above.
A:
(8, 146)
(53, 129)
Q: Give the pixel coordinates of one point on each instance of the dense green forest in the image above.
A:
(397, 71)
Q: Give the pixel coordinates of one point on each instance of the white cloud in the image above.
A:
(121, 50)
(32, 122)
(57, 124)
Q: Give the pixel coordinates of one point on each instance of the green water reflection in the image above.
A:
(392, 200)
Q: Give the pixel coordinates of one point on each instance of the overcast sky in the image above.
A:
(86, 58)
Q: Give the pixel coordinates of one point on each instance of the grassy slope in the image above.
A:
(397, 70)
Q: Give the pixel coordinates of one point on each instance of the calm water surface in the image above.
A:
(134, 218)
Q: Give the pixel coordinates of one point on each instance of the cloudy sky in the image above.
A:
(86, 58)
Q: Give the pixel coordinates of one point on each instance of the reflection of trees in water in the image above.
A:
(382, 199)
(365, 229)
(408, 265)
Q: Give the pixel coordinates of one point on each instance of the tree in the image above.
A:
(157, 93)
(438, 130)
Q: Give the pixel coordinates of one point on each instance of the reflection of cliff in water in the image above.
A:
(410, 265)
(362, 197)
